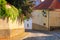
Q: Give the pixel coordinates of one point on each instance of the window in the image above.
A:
(44, 13)
(44, 24)
(27, 25)
(27, 19)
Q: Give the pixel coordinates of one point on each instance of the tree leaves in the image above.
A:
(2, 8)
(24, 5)
(7, 10)
(21, 8)
(12, 13)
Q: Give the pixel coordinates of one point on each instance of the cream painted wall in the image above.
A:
(10, 24)
(10, 29)
(54, 18)
(38, 18)
(3, 24)
(15, 24)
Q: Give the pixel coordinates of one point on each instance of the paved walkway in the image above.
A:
(41, 35)
(57, 33)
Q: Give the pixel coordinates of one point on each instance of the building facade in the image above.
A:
(46, 16)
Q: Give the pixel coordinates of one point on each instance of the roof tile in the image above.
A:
(49, 4)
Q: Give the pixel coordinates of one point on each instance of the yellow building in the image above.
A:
(46, 16)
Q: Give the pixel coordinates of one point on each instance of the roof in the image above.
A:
(55, 4)
(49, 4)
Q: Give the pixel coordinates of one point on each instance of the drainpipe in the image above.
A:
(48, 21)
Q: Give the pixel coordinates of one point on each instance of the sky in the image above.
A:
(42, 0)
(38, 2)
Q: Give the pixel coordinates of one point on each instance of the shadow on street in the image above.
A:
(41, 38)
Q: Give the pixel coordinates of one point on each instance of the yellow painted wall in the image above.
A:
(16, 24)
(54, 18)
(10, 29)
(39, 19)
(10, 25)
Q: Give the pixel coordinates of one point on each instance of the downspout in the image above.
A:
(48, 21)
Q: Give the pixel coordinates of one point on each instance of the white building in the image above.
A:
(28, 23)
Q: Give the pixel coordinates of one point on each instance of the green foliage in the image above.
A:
(19, 8)
(2, 8)
(25, 17)
(2, 2)
(11, 13)
(24, 5)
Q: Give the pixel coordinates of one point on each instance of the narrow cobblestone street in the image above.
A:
(41, 35)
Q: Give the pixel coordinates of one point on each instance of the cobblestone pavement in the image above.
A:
(41, 35)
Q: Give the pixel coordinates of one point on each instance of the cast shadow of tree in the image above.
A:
(50, 36)
(40, 31)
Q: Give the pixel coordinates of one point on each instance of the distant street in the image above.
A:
(41, 35)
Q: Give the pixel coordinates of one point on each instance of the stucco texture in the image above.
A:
(39, 19)
(10, 29)
(52, 19)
